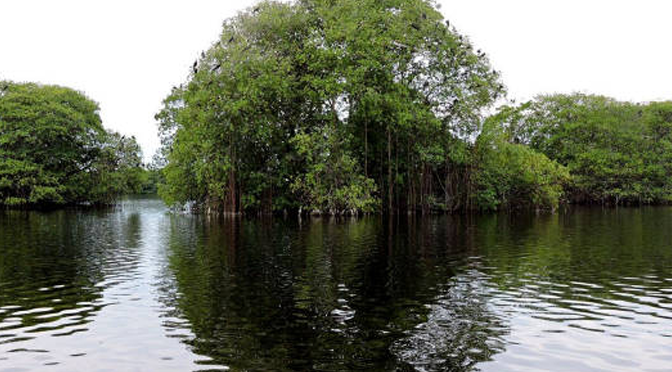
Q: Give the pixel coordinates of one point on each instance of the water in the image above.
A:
(138, 289)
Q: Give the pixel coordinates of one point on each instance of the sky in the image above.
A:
(126, 55)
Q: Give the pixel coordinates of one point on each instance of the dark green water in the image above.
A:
(138, 289)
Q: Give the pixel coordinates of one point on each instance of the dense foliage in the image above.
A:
(361, 105)
(616, 152)
(514, 175)
(55, 151)
(352, 105)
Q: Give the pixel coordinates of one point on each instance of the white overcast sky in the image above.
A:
(127, 55)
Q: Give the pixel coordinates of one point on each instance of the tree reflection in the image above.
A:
(327, 294)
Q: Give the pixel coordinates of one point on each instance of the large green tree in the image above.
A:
(55, 151)
(327, 105)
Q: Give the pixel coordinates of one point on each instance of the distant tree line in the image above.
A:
(379, 105)
(54, 150)
(617, 153)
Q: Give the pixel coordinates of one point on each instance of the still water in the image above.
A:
(138, 289)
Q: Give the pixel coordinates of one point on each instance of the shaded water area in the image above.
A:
(138, 289)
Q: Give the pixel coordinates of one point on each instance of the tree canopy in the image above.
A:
(326, 105)
(55, 151)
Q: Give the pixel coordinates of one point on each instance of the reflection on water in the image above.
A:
(136, 288)
(53, 268)
(75, 291)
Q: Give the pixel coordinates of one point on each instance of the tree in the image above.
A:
(382, 90)
(55, 151)
(616, 152)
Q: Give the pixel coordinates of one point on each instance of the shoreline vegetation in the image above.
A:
(344, 108)
(54, 151)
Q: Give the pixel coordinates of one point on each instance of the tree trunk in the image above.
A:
(231, 205)
(366, 148)
(389, 170)
(446, 194)
(396, 168)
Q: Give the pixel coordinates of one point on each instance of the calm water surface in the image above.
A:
(138, 289)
